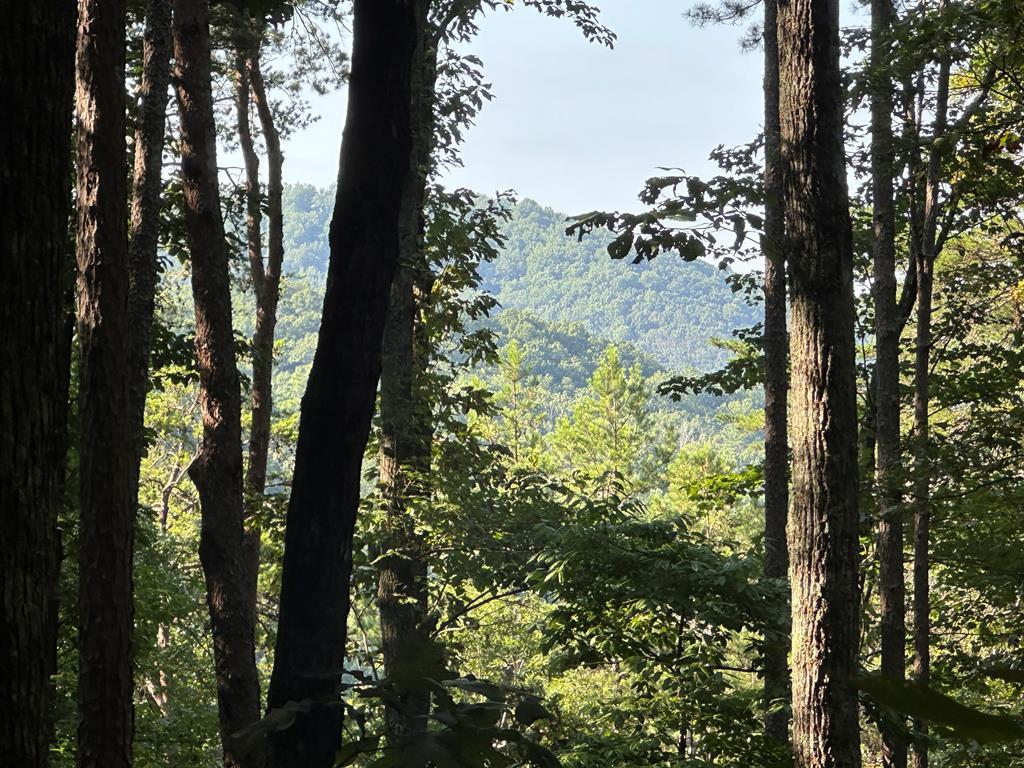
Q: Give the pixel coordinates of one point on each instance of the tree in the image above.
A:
(388, 38)
(217, 469)
(823, 525)
(776, 380)
(888, 458)
(144, 221)
(37, 59)
(266, 277)
(106, 454)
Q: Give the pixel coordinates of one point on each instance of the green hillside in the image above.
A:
(573, 289)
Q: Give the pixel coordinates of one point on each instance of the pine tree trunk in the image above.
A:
(823, 542)
(106, 452)
(36, 89)
(406, 435)
(888, 460)
(217, 470)
(776, 386)
(922, 383)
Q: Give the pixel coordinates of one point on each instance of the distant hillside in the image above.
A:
(667, 309)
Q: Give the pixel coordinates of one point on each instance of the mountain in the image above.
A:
(667, 310)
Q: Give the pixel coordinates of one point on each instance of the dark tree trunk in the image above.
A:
(823, 541)
(144, 223)
(107, 449)
(406, 435)
(37, 62)
(888, 459)
(217, 470)
(922, 382)
(776, 385)
(339, 401)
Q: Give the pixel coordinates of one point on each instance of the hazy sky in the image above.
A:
(577, 126)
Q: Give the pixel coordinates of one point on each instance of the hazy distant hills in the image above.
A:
(667, 309)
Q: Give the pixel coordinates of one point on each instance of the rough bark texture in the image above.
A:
(406, 434)
(106, 452)
(776, 385)
(144, 223)
(37, 62)
(823, 521)
(922, 381)
(339, 400)
(217, 470)
(888, 461)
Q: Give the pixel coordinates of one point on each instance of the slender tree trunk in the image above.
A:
(37, 62)
(267, 296)
(106, 452)
(888, 459)
(406, 435)
(922, 382)
(776, 385)
(339, 401)
(144, 223)
(823, 542)
(217, 470)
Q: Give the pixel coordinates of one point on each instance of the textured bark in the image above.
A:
(406, 433)
(776, 384)
(107, 448)
(37, 62)
(823, 521)
(339, 401)
(922, 381)
(144, 222)
(886, 403)
(217, 470)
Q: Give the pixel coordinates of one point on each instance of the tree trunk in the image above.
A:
(267, 295)
(339, 401)
(922, 382)
(144, 223)
(406, 435)
(37, 62)
(823, 541)
(217, 470)
(106, 451)
(888, 461)
(776, 385)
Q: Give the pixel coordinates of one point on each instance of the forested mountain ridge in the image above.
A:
(544, 273)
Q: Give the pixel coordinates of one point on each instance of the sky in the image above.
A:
(577, 126)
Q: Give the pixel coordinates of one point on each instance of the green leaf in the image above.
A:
(921, 702)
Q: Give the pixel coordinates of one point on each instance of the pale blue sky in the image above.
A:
(577, 126)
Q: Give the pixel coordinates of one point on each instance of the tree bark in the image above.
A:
(406, 434)
(106, 451)
(776, 385)
(217, 470)
(823, 542)
(922, 382)
(339, 401)
(144, 221)
(37, 62)
(888, 460)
